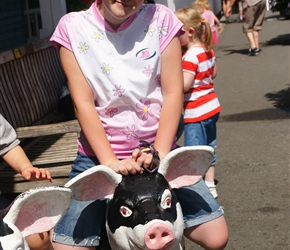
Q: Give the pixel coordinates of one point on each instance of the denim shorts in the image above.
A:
(83, 222)
(202, 133)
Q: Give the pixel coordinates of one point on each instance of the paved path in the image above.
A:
(254, 136)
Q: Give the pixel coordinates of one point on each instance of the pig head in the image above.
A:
(143, 211)
(34, 211)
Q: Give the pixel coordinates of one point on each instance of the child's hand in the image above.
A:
(35, 174)
(126, 166)
(220, 29)
(142, 158)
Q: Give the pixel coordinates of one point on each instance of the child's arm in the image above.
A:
(14, 155)
(17, 159)
(188, 80)
(172, 89)
(217, 22)
(89, 119)
(214, 72)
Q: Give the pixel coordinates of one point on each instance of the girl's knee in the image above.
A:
(216, 243)
(39, 241)
(212, 235)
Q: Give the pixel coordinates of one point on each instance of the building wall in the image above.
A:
(14, 28)
(12, 24)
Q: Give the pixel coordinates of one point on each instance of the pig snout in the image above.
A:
(159, 237)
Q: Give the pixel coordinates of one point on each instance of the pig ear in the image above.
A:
(95, 183)
(186, 165)
(38, 210)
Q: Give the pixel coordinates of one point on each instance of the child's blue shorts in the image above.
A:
(84, 220)
(202, 133)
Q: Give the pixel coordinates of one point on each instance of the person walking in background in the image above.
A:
(201, 105)
(13, 154)
(253, 16)
(203, 7)
(227, 8)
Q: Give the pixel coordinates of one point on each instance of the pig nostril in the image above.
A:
(159, 236)
(164, 234)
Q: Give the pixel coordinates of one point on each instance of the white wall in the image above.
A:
(176, 4)
(51, 12)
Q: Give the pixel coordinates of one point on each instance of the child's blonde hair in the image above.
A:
(191, 18)
(204, 4)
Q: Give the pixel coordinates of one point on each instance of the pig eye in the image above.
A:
(125, 211)
(166, 199)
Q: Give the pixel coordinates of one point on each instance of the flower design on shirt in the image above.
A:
(98, 35)
(106, 69)
(111, 111)
(150, 30)
(148, 71)
(144, 109)
(118, 91)
(131, 132)
(163, 31)
(83, 48)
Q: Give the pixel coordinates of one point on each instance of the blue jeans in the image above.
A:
(202, 133)
(84, 220)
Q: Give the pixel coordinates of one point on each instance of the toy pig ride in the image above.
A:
(143, 211)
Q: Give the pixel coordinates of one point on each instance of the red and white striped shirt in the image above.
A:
(200, 101)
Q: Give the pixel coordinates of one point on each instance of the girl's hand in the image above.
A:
(35, 174)
(142, 158)
(126, 166)
(220, 29)
(132, 165)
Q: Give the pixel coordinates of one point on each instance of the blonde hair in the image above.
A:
(191, 18)
(201, 4)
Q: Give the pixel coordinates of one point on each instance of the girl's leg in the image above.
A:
(39, 241)
(256, 38)
(81, 226)
(57, 246)
(210, 235)
(209, 176)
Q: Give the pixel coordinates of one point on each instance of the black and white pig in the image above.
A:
(143, 211)
(34, 211)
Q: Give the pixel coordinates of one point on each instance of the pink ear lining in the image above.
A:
(97, 182)
(38, 210)
(33, 217)
(187, 166)
(92, 187)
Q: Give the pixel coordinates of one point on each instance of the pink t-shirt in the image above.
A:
(122, 68)
(209, 16)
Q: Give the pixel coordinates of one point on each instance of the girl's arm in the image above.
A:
(217, 22)
(188, 80)
(89, 119)
(214, 72)
(172, 89)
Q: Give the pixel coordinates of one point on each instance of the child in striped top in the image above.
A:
(201, 105)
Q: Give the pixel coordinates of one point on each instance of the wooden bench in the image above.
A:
(31, 82)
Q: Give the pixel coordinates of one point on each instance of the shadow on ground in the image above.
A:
(283, 39)
(280, 99)
(281, 110)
